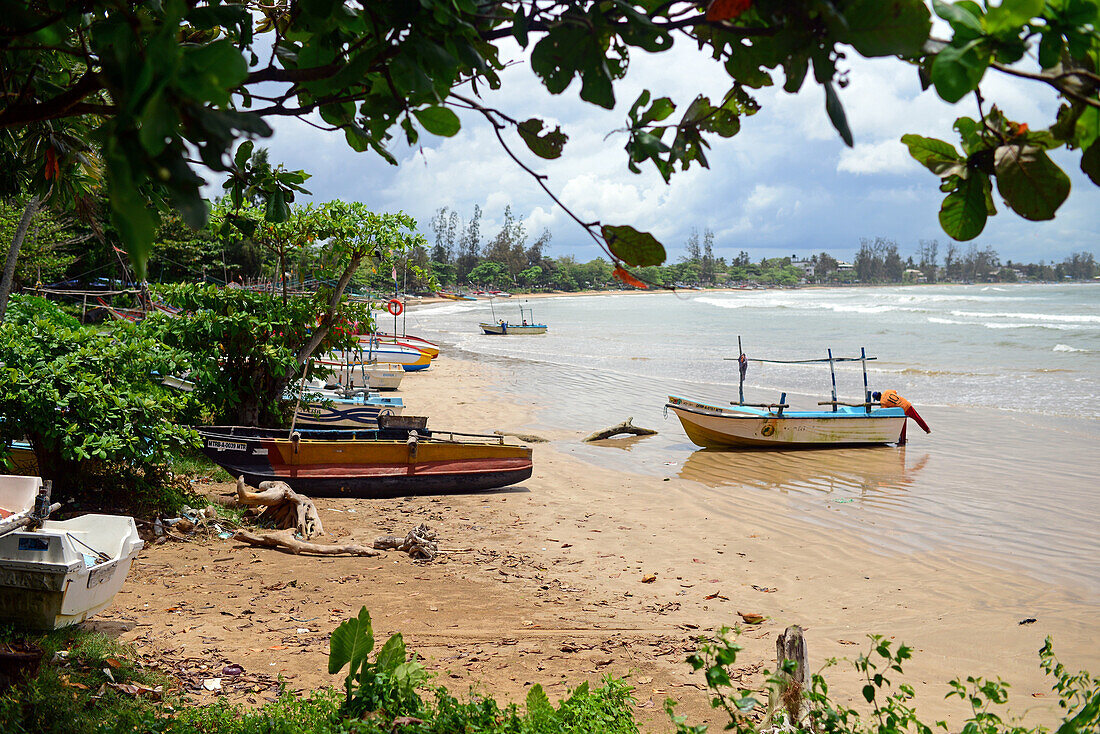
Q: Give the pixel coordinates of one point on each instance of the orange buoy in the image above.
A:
(395, 307)
(891, 399)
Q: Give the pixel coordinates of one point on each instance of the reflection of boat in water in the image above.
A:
(862, 472)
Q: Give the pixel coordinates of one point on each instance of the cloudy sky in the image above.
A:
(784, 185)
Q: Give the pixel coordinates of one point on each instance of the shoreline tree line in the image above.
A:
(62, 249)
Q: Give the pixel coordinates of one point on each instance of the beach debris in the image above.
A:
(718, 595)
(626, 426)
(419, 543)
(212, 684)
(751, 617)
(287, 540)
(787, 705)
(649, 578)
(283, 507)
(525, 437)
(765, 589)
(1029, 620)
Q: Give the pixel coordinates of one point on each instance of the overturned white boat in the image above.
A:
(55, 573)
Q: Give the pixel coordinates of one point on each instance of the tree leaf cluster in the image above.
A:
(161, 90)
(84, 396)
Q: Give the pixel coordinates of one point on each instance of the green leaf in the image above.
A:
(1011, 15)
(937, 156)
(244, 152)
(869, 692)
(877, 28)
(391, 655)
(957, 71)
(964, 211)
(350, 643)
(548, 145)
(1090, 162)
(1030, 182)
(639, 249)
(440, 121)
(538, 704)
(836, 113)
(959, 16)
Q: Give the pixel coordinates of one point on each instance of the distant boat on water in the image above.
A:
(525, 327)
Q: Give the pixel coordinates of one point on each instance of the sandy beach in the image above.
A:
(543, 583)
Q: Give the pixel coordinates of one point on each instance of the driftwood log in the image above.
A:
(283, 507)
(786, 699)
(626, 426)
(286, 540)
(418, 543)
(525, 437)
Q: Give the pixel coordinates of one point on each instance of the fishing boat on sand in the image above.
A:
(502, 327)
(401, 458)
(406, 340)
(57, 573)
(879, 419)
(341, 407)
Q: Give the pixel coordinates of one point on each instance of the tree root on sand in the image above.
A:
(286, 540)
(283, 507)
(418, 543)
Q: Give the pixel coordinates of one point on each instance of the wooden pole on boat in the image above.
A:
(866, 392)
(832, 373)
(740, 372)
(298, 402)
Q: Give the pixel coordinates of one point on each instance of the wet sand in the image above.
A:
(544, 583)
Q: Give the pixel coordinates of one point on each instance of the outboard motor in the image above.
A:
(891, 399)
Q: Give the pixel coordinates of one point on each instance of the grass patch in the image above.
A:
(73, 693)
(193, 464)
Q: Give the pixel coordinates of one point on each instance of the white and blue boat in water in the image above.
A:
(503, 328)
(879, 419)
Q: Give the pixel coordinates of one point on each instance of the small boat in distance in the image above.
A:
(775, 426)
(502, 327)
(401, 458)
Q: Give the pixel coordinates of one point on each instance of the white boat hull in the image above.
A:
(514, 329)
(49, 578)
(710, 426)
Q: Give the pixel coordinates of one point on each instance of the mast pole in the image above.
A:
(740, 372)
(866, 392)
(832, 373)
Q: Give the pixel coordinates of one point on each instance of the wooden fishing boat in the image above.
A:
(340, 408)
(739, 425)
(61, 572)
(388, 462)
(411, 360)
(525, 327)
(409, 342)
(774, 425)
(373, 375)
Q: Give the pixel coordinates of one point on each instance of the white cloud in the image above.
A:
(886, 156)
(784, 183)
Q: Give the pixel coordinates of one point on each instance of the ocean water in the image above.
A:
(1008, 377)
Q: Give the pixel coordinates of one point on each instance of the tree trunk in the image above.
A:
(13, 253)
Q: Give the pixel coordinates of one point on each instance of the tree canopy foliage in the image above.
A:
(83, 396)
(166, 87)
(245, 346)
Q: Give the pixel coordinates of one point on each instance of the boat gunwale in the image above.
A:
(750, 414)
